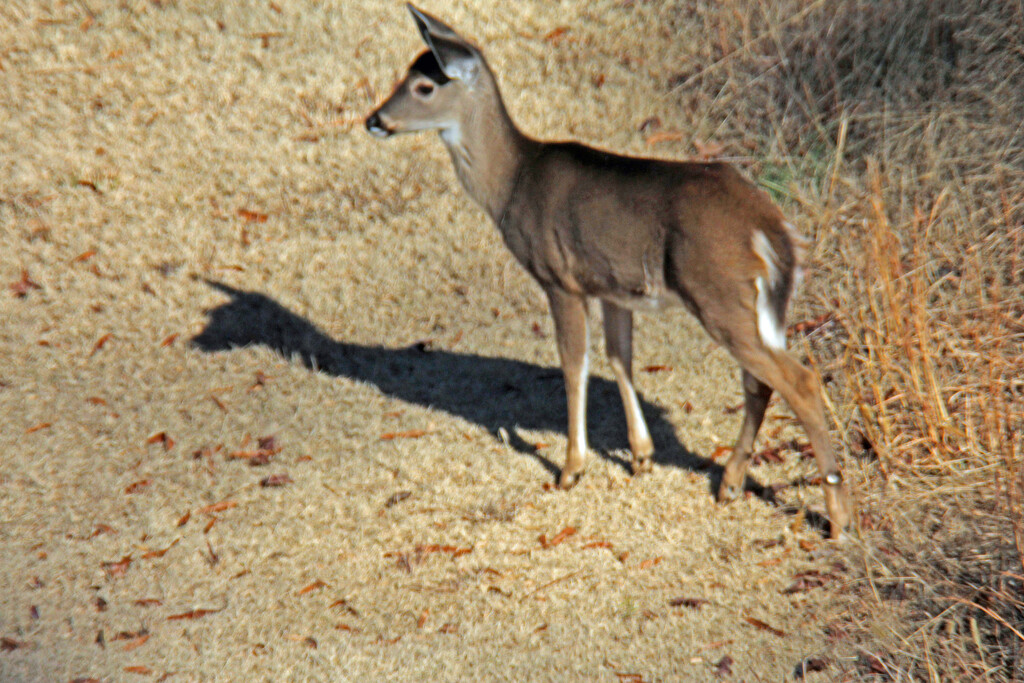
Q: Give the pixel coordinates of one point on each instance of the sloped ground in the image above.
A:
(212, 263)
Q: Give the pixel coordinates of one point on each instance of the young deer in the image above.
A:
(638, 234)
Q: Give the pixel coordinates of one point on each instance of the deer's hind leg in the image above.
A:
(618, 337)
(736, 326)
(756, 395)
(800, 387)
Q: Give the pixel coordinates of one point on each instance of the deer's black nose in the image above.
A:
(376, 126)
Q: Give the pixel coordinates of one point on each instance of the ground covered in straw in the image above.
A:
(277, 405)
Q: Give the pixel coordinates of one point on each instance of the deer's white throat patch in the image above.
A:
(452, 136)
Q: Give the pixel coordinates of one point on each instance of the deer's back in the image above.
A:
(602, 224)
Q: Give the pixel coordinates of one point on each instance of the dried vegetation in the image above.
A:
(900, 136)
(168, 155)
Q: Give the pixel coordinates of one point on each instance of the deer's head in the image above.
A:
(438, 88)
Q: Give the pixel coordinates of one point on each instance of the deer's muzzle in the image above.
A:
(377, 127)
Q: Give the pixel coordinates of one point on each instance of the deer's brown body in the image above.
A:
(633, 231)
(636, 234)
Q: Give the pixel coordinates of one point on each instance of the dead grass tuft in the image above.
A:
(899, 133)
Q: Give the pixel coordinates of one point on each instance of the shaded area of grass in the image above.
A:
(499, 394)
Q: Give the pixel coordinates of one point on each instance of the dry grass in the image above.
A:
(904, 147)
(154, 147)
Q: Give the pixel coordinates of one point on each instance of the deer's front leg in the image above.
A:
(570, 314)
(618, 340)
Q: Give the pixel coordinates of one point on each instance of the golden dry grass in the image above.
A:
(204, 244)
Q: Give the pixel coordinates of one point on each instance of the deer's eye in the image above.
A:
(424, 89)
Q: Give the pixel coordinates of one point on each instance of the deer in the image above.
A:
(636, 234)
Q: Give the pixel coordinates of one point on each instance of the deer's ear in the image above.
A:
(431, 26)
(457, 61)
(455, 55)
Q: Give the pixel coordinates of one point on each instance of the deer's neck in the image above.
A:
(488, 152)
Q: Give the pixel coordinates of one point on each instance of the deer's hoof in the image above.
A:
(568, 478)
(729, 492)
(840, 509)
(839, 536)
(838, 529)
(641, 465)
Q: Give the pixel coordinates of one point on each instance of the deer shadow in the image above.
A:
(498, 394)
